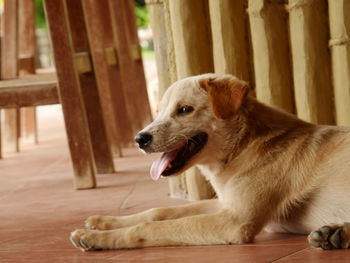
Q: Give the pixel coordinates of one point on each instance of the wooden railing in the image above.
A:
(295, 54)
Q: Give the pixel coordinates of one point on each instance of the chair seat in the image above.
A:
(29, 90)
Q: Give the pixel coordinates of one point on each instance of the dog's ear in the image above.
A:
(226, 95)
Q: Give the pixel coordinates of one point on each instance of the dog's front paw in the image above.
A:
(102, 223)
(330, 237)
(95, 222)
(85, 239)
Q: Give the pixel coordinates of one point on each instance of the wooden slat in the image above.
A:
(29, 90)
(71, 95)
(340, 47)
(271, 52)
(311, 60)
(110, 87)
(9, 70)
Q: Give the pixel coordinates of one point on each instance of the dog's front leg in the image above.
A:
(154, 214)
(218, 228)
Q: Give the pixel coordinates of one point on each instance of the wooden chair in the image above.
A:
(18, 56)
(102, 90)
(97, 62)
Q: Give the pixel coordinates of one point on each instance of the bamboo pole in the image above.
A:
(190, 27)
(311, 60)
(272, 65)
(339, 19)
(229, 27)
(166, 69)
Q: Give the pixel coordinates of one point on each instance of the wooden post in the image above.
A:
(130, 61)
(311, 60)
(104, 56)
(271, 53)
(339, 12)
(9, 70)
(26, 60)
(193, 55)
(229, 27)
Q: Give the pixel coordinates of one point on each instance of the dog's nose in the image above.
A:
(143, 139)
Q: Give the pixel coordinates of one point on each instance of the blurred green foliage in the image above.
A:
(141, 13)
(40, 14)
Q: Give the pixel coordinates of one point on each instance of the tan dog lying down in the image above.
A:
(269, 170)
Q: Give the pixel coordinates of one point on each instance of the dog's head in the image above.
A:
(191, 117)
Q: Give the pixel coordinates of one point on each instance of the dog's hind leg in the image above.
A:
(154, 214)
(333, 236)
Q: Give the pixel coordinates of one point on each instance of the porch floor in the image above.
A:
(39, 209)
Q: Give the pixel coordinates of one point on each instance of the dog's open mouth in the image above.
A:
(171, 162)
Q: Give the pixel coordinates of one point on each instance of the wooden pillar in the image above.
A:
(229, 27)
(311, 60)
(9, 70)
(193, 55)
(339, 12)
(26, 61)
(271, 53)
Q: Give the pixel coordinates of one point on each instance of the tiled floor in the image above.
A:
(39, 208)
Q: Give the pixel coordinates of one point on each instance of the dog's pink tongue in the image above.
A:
(160, 165)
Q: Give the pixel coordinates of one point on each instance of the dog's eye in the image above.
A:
(184, 110)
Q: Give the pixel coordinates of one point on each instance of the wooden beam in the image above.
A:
(29, 90)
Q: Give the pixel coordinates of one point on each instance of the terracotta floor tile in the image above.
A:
(204, 254)
(313, 255)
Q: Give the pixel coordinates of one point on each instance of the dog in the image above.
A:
(268, 168)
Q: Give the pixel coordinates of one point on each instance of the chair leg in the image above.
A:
(78, 92)
(29, 123)
(11, 130)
